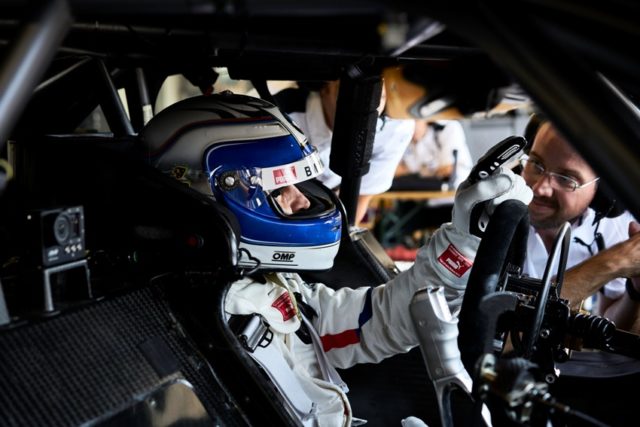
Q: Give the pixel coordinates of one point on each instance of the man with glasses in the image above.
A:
(603, 254)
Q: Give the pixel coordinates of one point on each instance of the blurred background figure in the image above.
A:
(437, 159)
(438, 154)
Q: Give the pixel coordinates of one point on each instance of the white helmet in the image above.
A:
(244, 152)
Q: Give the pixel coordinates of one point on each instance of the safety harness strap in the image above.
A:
(257, 339)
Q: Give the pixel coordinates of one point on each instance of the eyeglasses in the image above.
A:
(536, 170)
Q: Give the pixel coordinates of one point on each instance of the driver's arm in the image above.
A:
(368, 324)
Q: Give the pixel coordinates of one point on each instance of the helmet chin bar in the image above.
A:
(281, 258)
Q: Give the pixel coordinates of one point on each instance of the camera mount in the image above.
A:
(57, 269)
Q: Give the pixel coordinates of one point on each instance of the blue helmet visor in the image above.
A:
(277, 190)
(309, 199)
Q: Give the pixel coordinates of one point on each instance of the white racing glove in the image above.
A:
(448, 256)
(493, 190)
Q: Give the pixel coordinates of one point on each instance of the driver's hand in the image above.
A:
(498, 187)
(449, 255)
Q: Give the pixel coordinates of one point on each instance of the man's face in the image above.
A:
(291, 200)
(551, 207)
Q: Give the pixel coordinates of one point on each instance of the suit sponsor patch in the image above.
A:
(454, 261)
(285, 306)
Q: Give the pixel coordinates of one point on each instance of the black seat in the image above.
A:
(153, 335)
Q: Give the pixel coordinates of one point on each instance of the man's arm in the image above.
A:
(363, 205)
(402, 169)
(586, 278)
(625, 311)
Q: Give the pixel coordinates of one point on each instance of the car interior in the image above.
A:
(123, 322)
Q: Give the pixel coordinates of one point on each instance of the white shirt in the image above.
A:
(435, 149)
(391, 140)
(613, 230)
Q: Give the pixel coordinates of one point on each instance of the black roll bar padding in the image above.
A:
(353, 133)
(263, 90)
(504, 242)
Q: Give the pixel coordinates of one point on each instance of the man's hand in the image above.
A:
(634, 236)
(620, 260)
(623, 259)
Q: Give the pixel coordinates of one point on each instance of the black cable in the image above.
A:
(597, 238)
(249, 272)
(565, 410)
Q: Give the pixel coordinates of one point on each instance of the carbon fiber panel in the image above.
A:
(97, 360)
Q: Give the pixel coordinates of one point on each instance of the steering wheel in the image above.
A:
(503, 244)
(499, 258)
(487, 297)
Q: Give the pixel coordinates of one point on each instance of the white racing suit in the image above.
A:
(360, 325)
(368, 324)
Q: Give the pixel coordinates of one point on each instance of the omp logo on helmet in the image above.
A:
(454, 261)
(283, 256)
(285, 175)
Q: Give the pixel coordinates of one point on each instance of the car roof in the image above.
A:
(572, 58)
